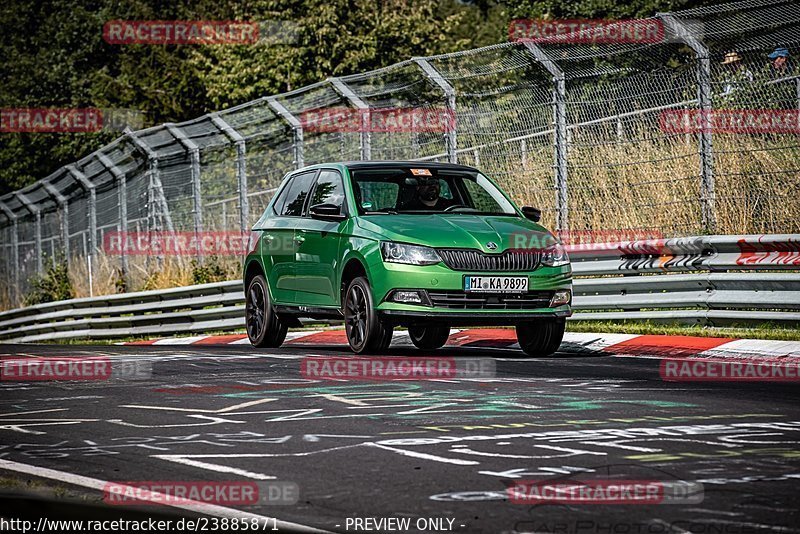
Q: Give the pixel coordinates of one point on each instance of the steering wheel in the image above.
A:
(455, 206)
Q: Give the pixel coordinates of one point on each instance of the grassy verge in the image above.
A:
(767, 331)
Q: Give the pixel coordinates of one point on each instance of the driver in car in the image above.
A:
(427, 196)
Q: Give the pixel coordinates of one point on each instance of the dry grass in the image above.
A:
(636, 182)
(655, 183)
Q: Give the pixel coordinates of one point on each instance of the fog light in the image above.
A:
(407, 297)
(561, 297)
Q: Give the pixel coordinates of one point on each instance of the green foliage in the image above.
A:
(52, 54)
(51, 286)
(208, 271)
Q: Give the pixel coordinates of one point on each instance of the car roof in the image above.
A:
(381, 164)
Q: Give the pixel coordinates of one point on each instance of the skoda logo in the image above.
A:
(491, 245)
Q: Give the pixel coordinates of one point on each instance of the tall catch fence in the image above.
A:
(582, 131)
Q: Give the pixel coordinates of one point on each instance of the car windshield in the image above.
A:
(426, 190)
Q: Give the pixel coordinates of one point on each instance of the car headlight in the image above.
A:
(555, 256)
(411, 254)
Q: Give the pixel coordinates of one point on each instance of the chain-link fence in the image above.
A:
(580, 130)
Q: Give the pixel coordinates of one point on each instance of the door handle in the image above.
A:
(299, 239)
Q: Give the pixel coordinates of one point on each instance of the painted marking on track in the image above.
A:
(197, 410)
(211, 421)
(202, 508)
(215, 467)
(424, 456)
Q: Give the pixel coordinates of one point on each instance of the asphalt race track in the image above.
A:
(437, 450)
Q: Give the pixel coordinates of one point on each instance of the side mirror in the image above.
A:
(534, 214)
(326, 212)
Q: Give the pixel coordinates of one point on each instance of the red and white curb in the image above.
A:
(655, 346)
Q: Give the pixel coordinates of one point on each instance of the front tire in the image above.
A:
(365, 330)
(541, 338)
(428, 337)
(264, 327)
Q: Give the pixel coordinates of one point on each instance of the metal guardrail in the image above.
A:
(706, 280)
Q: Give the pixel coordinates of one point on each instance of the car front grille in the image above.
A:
(459, 300)
(465, 259)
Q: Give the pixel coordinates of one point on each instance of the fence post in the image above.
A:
(37, 229)
(194, 157)
(286, 115)
(89, 187)
(14, 246)
(122, 182)
(365, 137)
(450, 94)
(63, 205)
(155, 185)
(560, 127)
(241, 168)
(707, 186)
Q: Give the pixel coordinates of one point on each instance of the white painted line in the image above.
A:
(424, 456)
(201, 508)
(218, 468)
(179, 340)
(197, 410)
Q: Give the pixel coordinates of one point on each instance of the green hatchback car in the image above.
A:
(382, 244)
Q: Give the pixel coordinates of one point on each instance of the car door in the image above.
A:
(278, 245)
(318, 245)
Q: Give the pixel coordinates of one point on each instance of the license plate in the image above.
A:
(496, 284)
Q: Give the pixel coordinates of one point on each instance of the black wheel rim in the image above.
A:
(356, 316)
(256, 310)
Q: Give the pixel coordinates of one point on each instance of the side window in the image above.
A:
(277, 207)
(329, 190)
(296, 194)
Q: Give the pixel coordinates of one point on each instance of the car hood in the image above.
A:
(454, 230)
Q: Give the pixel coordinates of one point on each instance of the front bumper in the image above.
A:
(437, 279)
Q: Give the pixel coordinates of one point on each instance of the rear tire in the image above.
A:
(429, 337)
(365, 330)
(541, 338)
(264, 327)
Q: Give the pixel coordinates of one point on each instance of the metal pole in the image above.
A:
(241, 169)
(281, 111)
(37, 214)
(450, 94)
(707, 186)
(122, 184)
(155, 179)
(63, 205)
(15, 267)
(194, 157)
(363, 109)
(561, 142)
(90, 188)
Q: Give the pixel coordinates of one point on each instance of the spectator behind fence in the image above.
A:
(736, 75)
(780, 64)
